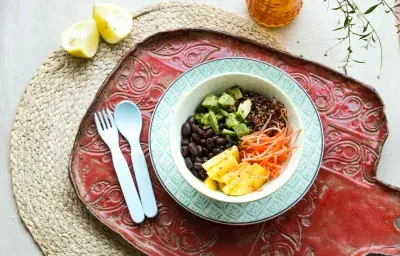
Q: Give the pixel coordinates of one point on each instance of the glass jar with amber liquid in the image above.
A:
(274, 13)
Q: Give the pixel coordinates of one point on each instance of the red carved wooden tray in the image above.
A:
(346, 212)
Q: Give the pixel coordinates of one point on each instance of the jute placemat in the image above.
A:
(48, 118)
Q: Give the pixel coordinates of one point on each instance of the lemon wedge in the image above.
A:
(81, 39)
(113, 22)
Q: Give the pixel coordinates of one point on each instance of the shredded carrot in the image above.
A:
(271, 152)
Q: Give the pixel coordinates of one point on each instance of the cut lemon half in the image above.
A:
(81, 39)
(113, 22)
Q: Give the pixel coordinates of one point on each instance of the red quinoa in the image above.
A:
(261, 109)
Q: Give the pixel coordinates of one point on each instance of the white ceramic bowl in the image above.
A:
(217, 85)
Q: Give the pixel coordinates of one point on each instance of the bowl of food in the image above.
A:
(236, 137)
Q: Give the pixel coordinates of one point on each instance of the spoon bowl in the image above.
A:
(128, 119)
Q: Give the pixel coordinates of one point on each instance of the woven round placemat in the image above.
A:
(48, 118)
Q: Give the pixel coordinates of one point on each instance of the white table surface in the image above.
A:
(30, 31)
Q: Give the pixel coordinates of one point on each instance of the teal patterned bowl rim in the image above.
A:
(242, 213)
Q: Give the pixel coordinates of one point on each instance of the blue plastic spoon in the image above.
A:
(129, 123)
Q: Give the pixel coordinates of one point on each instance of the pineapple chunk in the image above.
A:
(233, 151)
(225, 165)
(221, 185)
(248, 181)
(230, 176)
(210, 183)
(236, 177)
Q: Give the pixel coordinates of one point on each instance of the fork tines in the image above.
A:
(104, 120)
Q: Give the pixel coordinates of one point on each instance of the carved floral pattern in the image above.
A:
(284, 235)
(182, 52)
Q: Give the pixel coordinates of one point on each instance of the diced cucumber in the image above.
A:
(231, 120)
(241, 130)
(214, 122)
(224, 112)
(235, 92)
(219, 116)
(244, 109)
(205, 120)
(198, 117)
(210, 101)
(228, 133)
(226, 100)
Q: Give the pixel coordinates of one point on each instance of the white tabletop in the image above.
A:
(30, 31)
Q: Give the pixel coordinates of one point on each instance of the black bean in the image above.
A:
(203, 174)
(203, 142)
(185, 142)
(217, 150)
(200, 149)
(198, 166)
(205, 159)
(189, 163)
(209, 143)
(186, 129)
(220, 141)
(194, 128)
(201, 133)
(198, 160)
(210, 155)
(209, 133)
(193, 149)
(184, 151)
(215, 138)
(196, 138)
(227, 146)
(191, 119)
(196, 174)
(205, 151)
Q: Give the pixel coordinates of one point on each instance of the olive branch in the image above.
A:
(353, 18)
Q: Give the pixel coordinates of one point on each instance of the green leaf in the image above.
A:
(349, 50)
(351, 6)
(371, 9)
(365, 36)
(365, 28)
(336, 8)
(358, 61)
(336, 29)
(347, 21)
